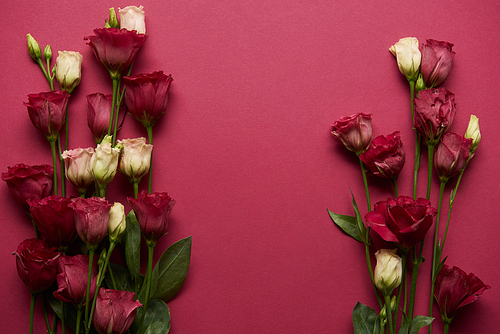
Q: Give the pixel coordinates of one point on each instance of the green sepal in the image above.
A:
(365, 320)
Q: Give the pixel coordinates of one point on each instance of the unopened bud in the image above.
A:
(473, 132)
(47, 53)
(113, 20)
(34, 48)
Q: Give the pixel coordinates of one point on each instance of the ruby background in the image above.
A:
(246, 151)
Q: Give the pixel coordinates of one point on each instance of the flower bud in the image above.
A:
(420, 84)
(47, 53)
(33, 48)
(104, 162)
(388, 271)
(117, 222)
(473, 132)
(135, 159)
(69, 69)
(408, 57)
(113, 20)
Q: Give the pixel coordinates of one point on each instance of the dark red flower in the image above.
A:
(36, 264)
(385, 157)
(450, 155)
(47, 112)
(455, 289)
(437, 60)
(114, 311)
(402, 220)
(434, 113)
(91, 219)
(146, 96)
(115, 48)
(354, 131)
(98, 114)
(152, 212)
(55, 220)
(29, 182)
(73, 277)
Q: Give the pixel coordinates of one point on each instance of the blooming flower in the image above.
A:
(135, 158)
(105, 162)
(450, 155)
(385, 157)
(29, 183)
(454, 289)
(55, 220)
(72, 279)
(114, 311)
(132, 18)
(47, 112)
(77, 164)
(91, 219)
(115, 48)
(473, 133)
(146, 96)
(437, 60)
(99, 114)
(388, 271)
(69, 70)
(117, 221)
(408, 57)
(36, 264)
(152, 211)
(434, 113)
(402, 220)
(354, 131)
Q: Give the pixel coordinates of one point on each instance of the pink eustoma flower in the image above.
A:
(29, 183)
(115, 48)
(403, 220)
(385, 157)
(153, 212)
(146, 96)
(434, 113)
(36, 264)
(454, 289)
(91, 219)
(437, 60)
(114, 311)
(77, 166)
(451, 155)
(354, 131)
(47, 112)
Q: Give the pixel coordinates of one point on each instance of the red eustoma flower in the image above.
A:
(354, 131)
(146, 96)
(98, 114)
(114, 311)
(72, 279)
(55, 220)
(437, 60)
(402, 220)
(47, 112)
(153, 212)
(451, 155)
(29, 182)
(455, 289)
(434, 113)
(36, 264)
(115, 48)
(91, 219)
(385, 157)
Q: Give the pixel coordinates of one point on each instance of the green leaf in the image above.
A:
(347, 224)
(57, 307)
(133, 245)
(156, 320)
(365, 320)
(418, 323)
(362, 230)
(405, 325)
(121, 276)
(171, 270)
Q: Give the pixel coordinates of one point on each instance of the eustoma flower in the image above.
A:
(403, 220)
(354, 131)
(408, 57)
(135, 158)
(117, 222)
(105, 162)
(451, 155)
(98, 114)
(132, 18)
(91, 219)
(47, 112)
(385, 157)
(473, 133)
(388, 271)
(437, 60)
(77, 164)
(114, 311)
(69, 69)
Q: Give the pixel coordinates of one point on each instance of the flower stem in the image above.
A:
(365, 182)
(395, 186)
(389, 314)
(117, 113)
(89, 282)
(446, 328)
(61, 163)
(403, 286)
(150, 138)
(37, 235)
(113, 103)
(149, 271)
(414, 276)
(417, 141)
(370, 271)
(135, 184)
(430, 164)
(78, 319)
(54, 163)
(32, 311)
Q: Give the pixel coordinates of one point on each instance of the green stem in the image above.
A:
(389, 313)
(112, 276)
(365, 182)
(446, 328)
(370, 271)
(32, 311)
(54, 163)
(47, 76)
(135, 184)
(37, 235)
(430, 164)
(150, 177)
(395, 186)
(63, 321)
(45, 314)
(102, 192)
(113, 103)
(403, 286)
(417, 142)
(78, 319)
(61, 163)
(413, 289)
(89, 282)
(149, 271)
(117, 113)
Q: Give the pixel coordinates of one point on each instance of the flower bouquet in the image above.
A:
(68, 266)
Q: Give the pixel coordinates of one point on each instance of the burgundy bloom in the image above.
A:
(99, 114)
(402, 220)
(91, 219)
(434, 113)
(152, 211)
(454, 289)
(47, 111)
(72, 279)
(451, 154)
(386, 156)
(55, 220)
(354, 131)
(29, 183)
(114, 311)
(115, 48)
(146, 96)
(437, 60)
(36, 264)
